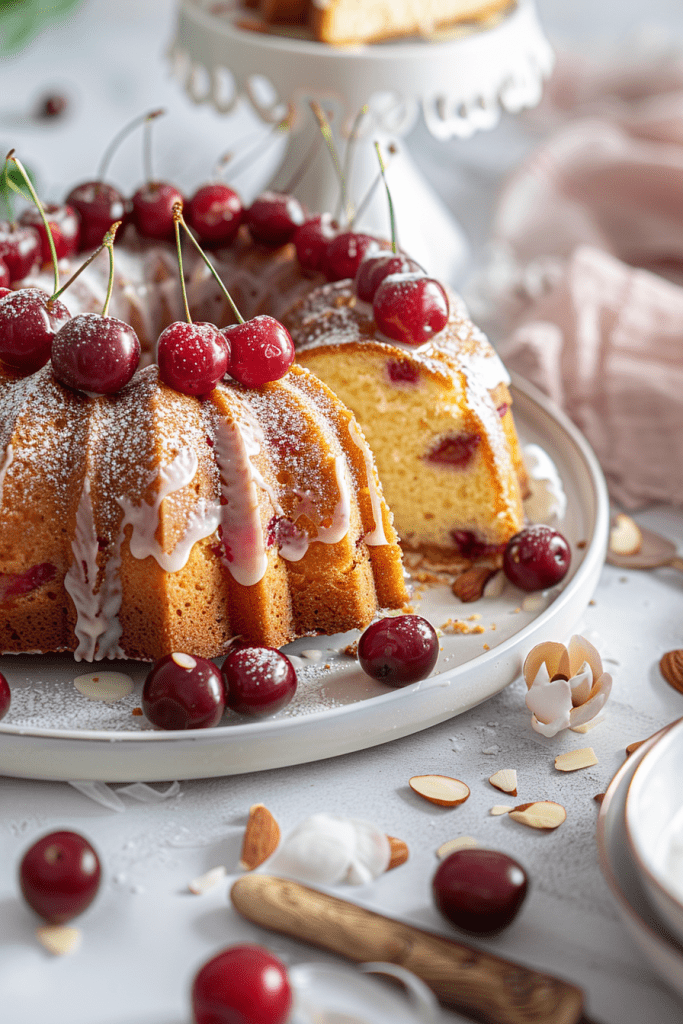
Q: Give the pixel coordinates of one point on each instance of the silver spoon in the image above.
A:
(655, 551)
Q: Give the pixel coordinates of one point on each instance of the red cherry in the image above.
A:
(184, 692)
(19, 248)
(65, 227)
(215, 212)
(274, 217)
(60, 876)
(346, 252)
(242, 985)
(399, 650)
(402, 372)
(455, 450)
(259, 680)
(153, 209)
(5, 696)
(20, 583)
(28, 327)
(96, 354)
(4, 276)
(480, 891)
(192, 357)
(99, 205)
(536, 558)
(312, 239)
(410, 308)
(374, 269)
(261, 350)
(470, 546)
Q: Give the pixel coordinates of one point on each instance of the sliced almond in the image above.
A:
(587, 726)
(461, 843)
(399, 852)
(440, 789)
(572, 760)
(261, 837)
(59, 939)
(539, 814)
(207, 880)
(498, 809)
(599, 797)
(625, 537)
(470, 585)
(671, 667)
(505, 780)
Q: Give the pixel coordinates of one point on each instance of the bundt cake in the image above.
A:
(148, 521)
(344, 22)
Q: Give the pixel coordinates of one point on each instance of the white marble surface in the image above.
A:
(145, 936)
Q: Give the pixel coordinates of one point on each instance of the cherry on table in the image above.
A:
(59, 876)
(536, 558)
(374, 269)
(28, 325)
(99, 205)
(273, 218)
(182, 691)
(410, 308)
(259, 680)
(242, 985)
(215, 213)
(480, 891)
(312, 239)
(261, 351)
(19, 249)
(346, 252)
(399, 650)
(192, 358)
(96, 354)
(5, 696)
(153, 209)
(64, 224)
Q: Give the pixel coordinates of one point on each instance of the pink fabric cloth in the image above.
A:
(589, 233)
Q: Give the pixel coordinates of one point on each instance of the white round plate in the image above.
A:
(53, 732)
(658, 947)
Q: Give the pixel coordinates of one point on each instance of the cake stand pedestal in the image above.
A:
(460, 85)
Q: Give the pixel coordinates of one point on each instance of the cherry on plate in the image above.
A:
(536, 558)
(59, 876)
(242, 985)
(480, 891)
(182, 691)
(95, 354)
(5, 696)
(399, 650)
(259, 680)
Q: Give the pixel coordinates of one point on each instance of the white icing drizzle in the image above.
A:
(144, 518)
(6, 463)
(294, 548)
(97, 629)
(377, 536)
(341, 517)
(240, 521)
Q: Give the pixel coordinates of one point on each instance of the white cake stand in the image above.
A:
(460, 84)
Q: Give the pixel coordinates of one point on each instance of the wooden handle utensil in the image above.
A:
(472, 981)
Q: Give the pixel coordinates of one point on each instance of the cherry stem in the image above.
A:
(392, 219)
(303, 167)
(106, 242)
(250, 155)
(120, 136)
(179, 219)
(147, 144)
(328, 138)
(5, 196)
(34, 196)
(353, 139)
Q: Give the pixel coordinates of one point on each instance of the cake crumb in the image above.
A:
(137, 711)
(486, 647)
(581, 544)
(351, 650)
(458, 626)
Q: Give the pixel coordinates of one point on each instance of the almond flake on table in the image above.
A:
(440, 789)
(399, 852)
(573, 760)
(505, 779)
(499, 809)
(59, 939)
(459, 843)
(587, 726)
(207, 881)
(543, 814)
(625, 537)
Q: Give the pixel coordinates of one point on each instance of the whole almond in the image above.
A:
(440, 789)
(470, 586)
(671, 667)
(399, 852)
(261, 838)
